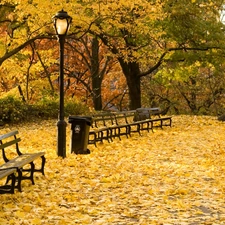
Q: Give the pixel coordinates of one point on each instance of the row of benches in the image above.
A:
(19, 166)
(106, 126)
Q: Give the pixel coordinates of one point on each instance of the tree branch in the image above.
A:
(161, 59)
(19, 48)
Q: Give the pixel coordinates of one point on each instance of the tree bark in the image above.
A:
(131, 71)
(95, 74)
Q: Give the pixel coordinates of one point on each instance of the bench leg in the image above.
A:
(92, 141)
(139, 128)
(149, 125)
(31, 171)
(8, 189)
(19, 179)
(42, 165)
(15, 180)
(110, 135)
(100, 136)
(127, 131)
(118, 134)
(152, 126)
(13, 183)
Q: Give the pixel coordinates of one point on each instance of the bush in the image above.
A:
(49, 107)
(14, 110)
(73, 107)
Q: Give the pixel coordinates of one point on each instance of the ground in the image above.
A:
(173, 176)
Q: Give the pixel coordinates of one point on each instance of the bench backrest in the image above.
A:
(102, 120)
(116, 118)
(10, 134)
(112, 118)
(9, 140)
(154, 111)
(124, 116)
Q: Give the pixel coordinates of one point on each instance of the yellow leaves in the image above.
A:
(178, 192)
(106, 180)
(20, 214)
(115, 178)
(172, 176)
(36, 221)
(27, 208)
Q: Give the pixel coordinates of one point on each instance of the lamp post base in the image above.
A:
(61, 139)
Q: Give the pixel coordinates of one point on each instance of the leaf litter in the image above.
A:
(171, 176)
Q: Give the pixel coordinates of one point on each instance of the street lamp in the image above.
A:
(61, 24)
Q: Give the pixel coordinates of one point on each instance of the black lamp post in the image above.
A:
(61, 24)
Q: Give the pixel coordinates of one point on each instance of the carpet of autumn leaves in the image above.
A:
(172, 176)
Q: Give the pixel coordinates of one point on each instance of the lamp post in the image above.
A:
(61, 24)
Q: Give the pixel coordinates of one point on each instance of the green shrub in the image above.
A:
(73, 107)
(49, 107)
(14, 110)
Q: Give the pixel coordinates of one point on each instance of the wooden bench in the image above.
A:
(107, 126)
(126, 117)
(18, 167)
(100, 130)
(154, 116)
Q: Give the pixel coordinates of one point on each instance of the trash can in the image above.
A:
(80, 127)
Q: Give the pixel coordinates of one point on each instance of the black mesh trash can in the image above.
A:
(80, 127)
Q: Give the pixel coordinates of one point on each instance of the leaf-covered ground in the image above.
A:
(172, 176)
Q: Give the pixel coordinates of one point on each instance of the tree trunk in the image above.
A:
(95, 74)
(131, 71)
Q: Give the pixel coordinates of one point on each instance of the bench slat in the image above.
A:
(10, 143)
(21, 161)
(10, 134)
(4, 172)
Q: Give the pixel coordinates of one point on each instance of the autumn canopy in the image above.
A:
(118, 53)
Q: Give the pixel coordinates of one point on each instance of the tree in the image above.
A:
(89, 64)
(146, 34)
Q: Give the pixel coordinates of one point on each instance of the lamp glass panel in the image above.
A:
(61, 26)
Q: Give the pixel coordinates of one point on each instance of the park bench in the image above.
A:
(106, 127)
(17, 166)
(154, 116)
(100, 130)
(127, 117)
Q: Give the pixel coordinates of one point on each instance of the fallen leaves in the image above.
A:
(171, 176)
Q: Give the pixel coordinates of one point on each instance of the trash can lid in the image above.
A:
(88, 119)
